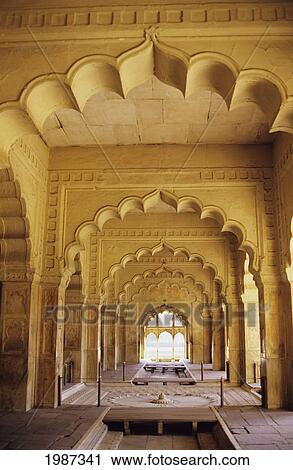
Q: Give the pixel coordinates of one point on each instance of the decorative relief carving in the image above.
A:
(165, 290)
(16, 303)
(14, 336)
(31, 160)
(106, 16)
(161, 259)
(226, 174)
(72, 336)
(93, 281)
(89, 179)
(49, 302)
(285, 160)
(15, 311)
(112, 233)
(16, 275)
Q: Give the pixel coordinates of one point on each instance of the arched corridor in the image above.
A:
(146, 205)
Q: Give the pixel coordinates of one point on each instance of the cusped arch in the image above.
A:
(161, 201)
(149, 314)
(261, 87)
(49, 96)
(14, 124)
(15, 245)
(212, 72)
(132, 287)
(46, 97)
(150, 274)
(146, 251)
(284, 119)
(155, 288)
(92, 76)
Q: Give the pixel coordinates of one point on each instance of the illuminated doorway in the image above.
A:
(165, 336)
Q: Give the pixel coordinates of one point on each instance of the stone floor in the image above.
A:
(117, 375)
(62, 428)
(59, 428)
(166, 442)
(201, 394)
(208, 373)
(132, 370)
(256, 428)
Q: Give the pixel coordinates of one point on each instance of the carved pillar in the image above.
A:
(91, 340)
(131, 333)
(141, 341)
(197, 334)
(273, 306)
(51, 341)
(207, 331)
(122, 335)
(251, 327)
(109, 322)
(18, 342)
(288, 295)
(218, 331)
(235, 318)
(73, 332)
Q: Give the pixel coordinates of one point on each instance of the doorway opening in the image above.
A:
(165, 337)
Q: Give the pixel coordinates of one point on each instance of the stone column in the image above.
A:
(235, 315)
(73, 332)
(51, 341)
(273, 351)
(288, 297)
(251, 327)
(122, 336)
(18, 341)
(91, 340)
(197, 334)
(207, 332)
(141, 341)
(218, 331)
(131, 332)
(236, 337)
(109, 321)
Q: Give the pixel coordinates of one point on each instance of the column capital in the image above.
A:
(17, 275)
(50, 281)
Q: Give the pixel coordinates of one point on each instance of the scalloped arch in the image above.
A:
(155, 311)
(176, 274)
(15, 245)
(99, 74)
(150, 252)
(261, 87)
(165, 201)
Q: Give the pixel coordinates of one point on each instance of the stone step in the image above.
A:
(111, 440)
(95, 434)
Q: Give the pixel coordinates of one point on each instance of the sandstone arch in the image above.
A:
(14, 229)
(150, 274)
(47, 97)
(162, 201)
(156, 249)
